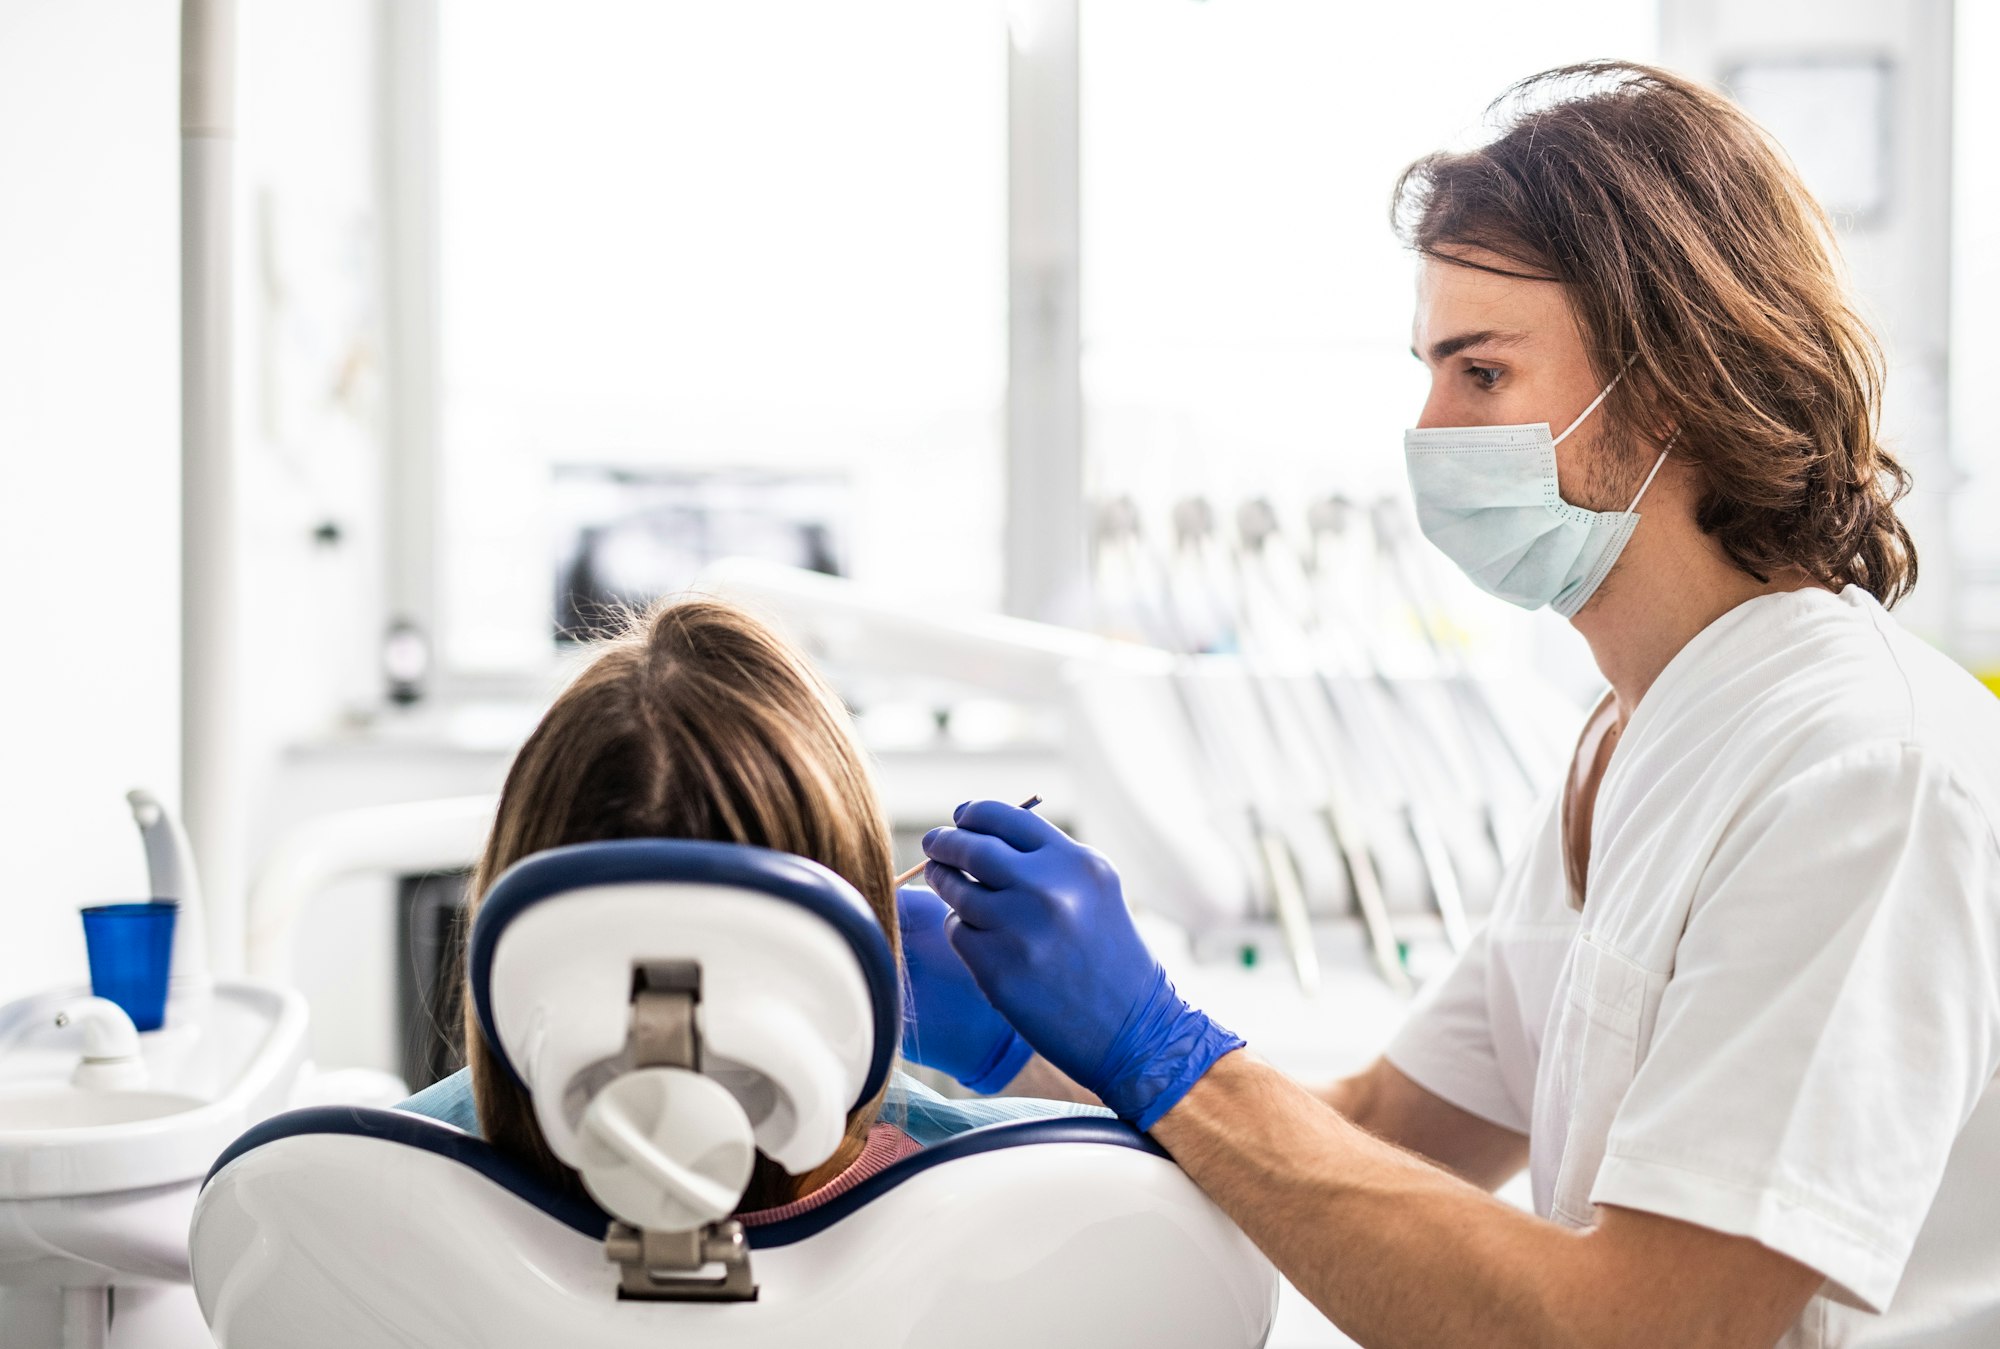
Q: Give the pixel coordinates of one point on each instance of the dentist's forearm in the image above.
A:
(1352, 1221)
(1381, 1100)
(1400, 1253)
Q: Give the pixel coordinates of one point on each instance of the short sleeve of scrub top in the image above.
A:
(1448, 1047)
(1843, 947)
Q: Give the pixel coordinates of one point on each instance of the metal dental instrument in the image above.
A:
(1470, 697)
(1329, 729)
(1163, 609)
(1195, 541)
(906, 877)
(1357, 684)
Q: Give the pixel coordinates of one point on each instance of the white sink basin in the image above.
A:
(97, 1186)
(216, 1068)
(23, 1108)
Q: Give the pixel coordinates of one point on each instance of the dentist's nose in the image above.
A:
(1434, 412)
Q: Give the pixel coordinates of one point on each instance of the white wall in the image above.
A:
(1900, 263)
(89, 427)
(309, 369)
(89, 474)
(1975, 298)
(309, 435)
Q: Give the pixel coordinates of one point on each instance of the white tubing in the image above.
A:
(211, 773)
(399, 840)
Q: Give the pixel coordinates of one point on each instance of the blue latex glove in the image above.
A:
(1041, 922)
(947, 1022)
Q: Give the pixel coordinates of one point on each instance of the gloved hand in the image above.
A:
(947, 1022)
(1041, 922)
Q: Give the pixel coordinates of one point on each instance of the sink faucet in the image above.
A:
(111, 1059)
(170, 870)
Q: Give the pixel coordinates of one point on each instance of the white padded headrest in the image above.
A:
(798, 1012)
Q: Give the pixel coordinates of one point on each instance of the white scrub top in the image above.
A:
(1776, 1011)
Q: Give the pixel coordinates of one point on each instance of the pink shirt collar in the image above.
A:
(886, 1144)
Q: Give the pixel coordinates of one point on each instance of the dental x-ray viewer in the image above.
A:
(1737, 1010)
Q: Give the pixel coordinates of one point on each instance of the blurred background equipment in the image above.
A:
(625, 538)
(1076, 320)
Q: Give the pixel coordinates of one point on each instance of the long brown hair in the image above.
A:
(1685, 239)
(696, 721)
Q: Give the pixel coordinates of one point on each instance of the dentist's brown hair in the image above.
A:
(1688, 244)
(694, 721)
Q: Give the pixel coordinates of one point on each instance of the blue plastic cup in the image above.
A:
(131, 949)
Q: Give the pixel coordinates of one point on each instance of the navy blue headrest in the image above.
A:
(778, 875)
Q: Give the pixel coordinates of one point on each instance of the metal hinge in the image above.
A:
(671, 1266)
(667, 1266)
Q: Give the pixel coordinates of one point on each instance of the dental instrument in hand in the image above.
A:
(906, 877)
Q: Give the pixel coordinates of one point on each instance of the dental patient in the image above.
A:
(698, 722)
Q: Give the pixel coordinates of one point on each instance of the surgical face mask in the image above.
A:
(1488, 497)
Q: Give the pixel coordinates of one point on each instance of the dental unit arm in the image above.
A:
(404, 839)
(856, 627)
(1142, 788)
(1281, 759)
(671, 1009)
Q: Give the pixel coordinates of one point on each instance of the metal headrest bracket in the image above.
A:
(668, 1266)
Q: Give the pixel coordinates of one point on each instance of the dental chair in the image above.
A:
(671, 1007)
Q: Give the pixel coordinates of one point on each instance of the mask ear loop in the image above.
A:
(1649, 478)
(1603, 394)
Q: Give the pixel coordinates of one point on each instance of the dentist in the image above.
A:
(1737, 1009)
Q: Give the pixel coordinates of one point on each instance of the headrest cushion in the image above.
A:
(778, 875)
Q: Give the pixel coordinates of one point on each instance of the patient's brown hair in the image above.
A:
(698, 722)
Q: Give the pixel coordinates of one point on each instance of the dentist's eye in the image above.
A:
(1485, 376)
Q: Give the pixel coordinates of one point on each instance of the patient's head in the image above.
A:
(697, 722)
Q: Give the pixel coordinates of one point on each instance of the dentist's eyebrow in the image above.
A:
(1448, 347)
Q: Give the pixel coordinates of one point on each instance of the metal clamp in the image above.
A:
(662, 1032)
(667, 1266)
(670, 1266)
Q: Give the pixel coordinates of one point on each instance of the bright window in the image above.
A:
(1246, 309)
(687, 247)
